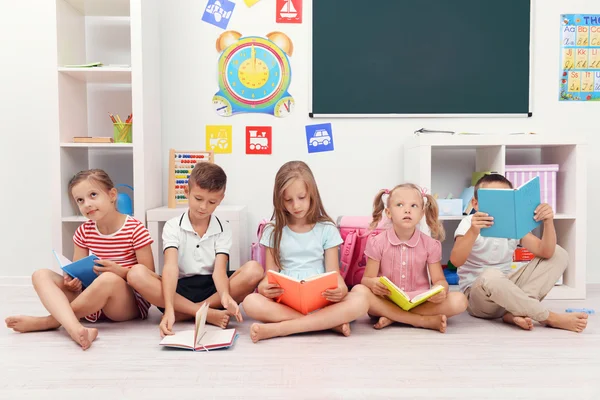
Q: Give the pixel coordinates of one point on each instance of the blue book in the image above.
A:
(81, 269)
(512, 209)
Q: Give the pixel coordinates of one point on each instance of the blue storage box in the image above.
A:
(450, 207)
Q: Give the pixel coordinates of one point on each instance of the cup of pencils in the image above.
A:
(121, 130)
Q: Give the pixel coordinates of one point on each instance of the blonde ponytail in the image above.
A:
(378, 207)
(432, 219)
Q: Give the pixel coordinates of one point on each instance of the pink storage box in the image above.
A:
(519, 174)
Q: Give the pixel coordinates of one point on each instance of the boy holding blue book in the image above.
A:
(484, 268)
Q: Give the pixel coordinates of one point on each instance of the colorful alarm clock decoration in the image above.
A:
(254, 74)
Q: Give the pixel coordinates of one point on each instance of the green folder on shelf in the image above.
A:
(90, 65)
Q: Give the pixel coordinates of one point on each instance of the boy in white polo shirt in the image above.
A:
(196, 248)
(484, 269)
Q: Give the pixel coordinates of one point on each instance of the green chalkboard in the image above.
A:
(415, 57)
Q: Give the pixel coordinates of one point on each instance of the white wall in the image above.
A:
(348, 177)
(29, 115)
(368, 152)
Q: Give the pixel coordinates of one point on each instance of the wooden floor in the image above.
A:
(474, 359)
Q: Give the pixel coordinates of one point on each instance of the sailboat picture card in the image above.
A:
(288, 11)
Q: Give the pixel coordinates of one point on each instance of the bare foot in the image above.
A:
(434, 322)
(263, 331)
(382, 323)
(575, 322)
(84, 336)
(218, 318)
(525, 323)
(344, 329)
(25, 323)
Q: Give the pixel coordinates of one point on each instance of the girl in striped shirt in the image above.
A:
(119, 241)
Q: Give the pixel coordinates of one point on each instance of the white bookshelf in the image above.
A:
(124, 36)
(98, 74)
(444, 163)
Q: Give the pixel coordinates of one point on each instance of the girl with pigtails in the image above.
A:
(410, 259)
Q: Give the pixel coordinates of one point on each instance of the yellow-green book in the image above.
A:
(403, 300)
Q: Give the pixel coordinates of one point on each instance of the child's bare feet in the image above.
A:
(26, 323)
(344, 329)
(263, 331)
(525, 323)
(434, 322)
(84, 336)
(382, 323)
(218, 318)
(575, 322)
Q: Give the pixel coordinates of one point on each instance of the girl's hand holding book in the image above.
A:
(270, 290)
(109, 266)
(335, 295)
(72, 285)
(377, 287)
(438, 298)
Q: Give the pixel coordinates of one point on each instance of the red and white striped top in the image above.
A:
(119, 247)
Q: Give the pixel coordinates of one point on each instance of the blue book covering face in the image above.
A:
(513, 210)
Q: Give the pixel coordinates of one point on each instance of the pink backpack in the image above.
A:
(355, 232)
(257, 250)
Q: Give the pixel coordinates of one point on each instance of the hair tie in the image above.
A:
(386, 191)
(424, 195)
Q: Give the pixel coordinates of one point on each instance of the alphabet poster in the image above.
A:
(580, 57)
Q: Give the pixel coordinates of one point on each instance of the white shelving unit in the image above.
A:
(444, 163)
(124, 36)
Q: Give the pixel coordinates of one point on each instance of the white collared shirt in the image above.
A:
(196, 255)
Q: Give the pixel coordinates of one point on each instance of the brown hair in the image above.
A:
(97, 176)
(491, 178)
(208, 176)
(431, 209)
(287, 174)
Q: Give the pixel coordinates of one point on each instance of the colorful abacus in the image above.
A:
(181, 164)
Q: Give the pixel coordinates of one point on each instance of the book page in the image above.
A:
(200, 322)
(427, 294)
(217, 337)
(180, 339)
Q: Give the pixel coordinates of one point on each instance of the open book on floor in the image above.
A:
(403, 299)
(512, 209)
(200, 339)
(306, 295)
(82, 269)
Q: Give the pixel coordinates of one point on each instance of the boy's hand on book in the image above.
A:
(378, 288)
(481, 220)
(543, 212)
(270, 290)
(335, 295)
(166, 323)
(72, 285)
(231, 306)
(438, 298)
